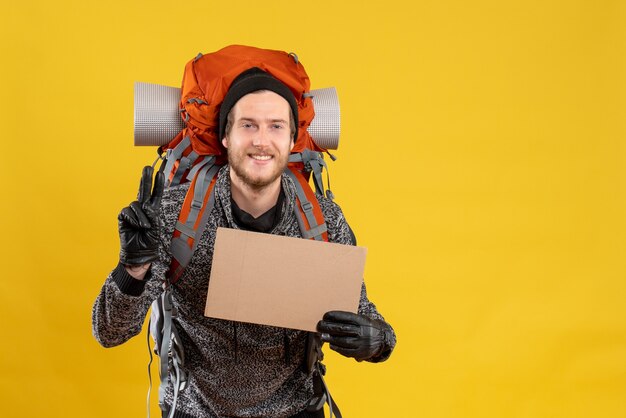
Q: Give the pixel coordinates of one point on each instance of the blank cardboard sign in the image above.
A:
(282, 281)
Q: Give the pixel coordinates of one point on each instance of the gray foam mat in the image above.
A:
(158, 121)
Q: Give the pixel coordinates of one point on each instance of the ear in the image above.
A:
(225, 142)
(293, 143)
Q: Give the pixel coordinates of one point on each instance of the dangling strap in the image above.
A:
(149, 368)
(312, 225)
(333, 409)
(178, 376)
(314, 163)
(321, 394)
(166, 309)
(169, 348)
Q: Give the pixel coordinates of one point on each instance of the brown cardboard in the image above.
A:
(282, 281)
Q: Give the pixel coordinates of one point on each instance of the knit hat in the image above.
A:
(251, 80)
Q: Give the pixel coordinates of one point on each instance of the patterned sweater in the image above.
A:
(235, 369)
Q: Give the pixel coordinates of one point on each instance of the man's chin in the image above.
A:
(258, 182)
(257, 177)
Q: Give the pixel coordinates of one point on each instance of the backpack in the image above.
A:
(196, 154)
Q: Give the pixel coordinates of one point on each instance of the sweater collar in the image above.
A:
(223, 199)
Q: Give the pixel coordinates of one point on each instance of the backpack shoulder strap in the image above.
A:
(308, 210)
(199, 201)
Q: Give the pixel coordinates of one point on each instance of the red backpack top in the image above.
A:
(207, 79)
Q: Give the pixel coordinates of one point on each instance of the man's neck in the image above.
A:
(255, 201)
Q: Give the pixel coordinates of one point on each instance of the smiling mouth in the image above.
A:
(261, 157)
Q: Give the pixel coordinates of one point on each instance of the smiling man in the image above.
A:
(259, 135)
(234, 369)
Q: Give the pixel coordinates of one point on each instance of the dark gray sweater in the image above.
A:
(236, 369)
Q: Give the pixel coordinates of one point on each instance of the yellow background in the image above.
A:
(482, 162)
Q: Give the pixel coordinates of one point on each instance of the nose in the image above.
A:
(261, 138)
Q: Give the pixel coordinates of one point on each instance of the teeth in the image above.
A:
(261, 157)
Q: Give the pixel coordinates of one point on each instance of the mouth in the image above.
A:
(260, 157)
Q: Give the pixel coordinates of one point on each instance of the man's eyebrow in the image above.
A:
(250, 119)
(278, 120)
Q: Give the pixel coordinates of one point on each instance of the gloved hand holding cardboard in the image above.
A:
(282, 281)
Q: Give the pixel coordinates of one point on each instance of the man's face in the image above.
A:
(259, 140)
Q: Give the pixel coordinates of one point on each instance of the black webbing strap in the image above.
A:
(321, 394)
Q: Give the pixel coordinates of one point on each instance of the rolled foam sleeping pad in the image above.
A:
(158, 120)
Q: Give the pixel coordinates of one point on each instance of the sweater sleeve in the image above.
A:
(367, 308)
(340, 232)
(121, 307)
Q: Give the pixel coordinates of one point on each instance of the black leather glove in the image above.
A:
(138, 223)
(354, 335)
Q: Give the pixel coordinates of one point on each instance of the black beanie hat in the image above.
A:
(251, 80)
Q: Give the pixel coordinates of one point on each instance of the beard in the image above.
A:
(256, 181)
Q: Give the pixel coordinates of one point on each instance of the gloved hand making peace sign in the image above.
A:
(138, 223)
